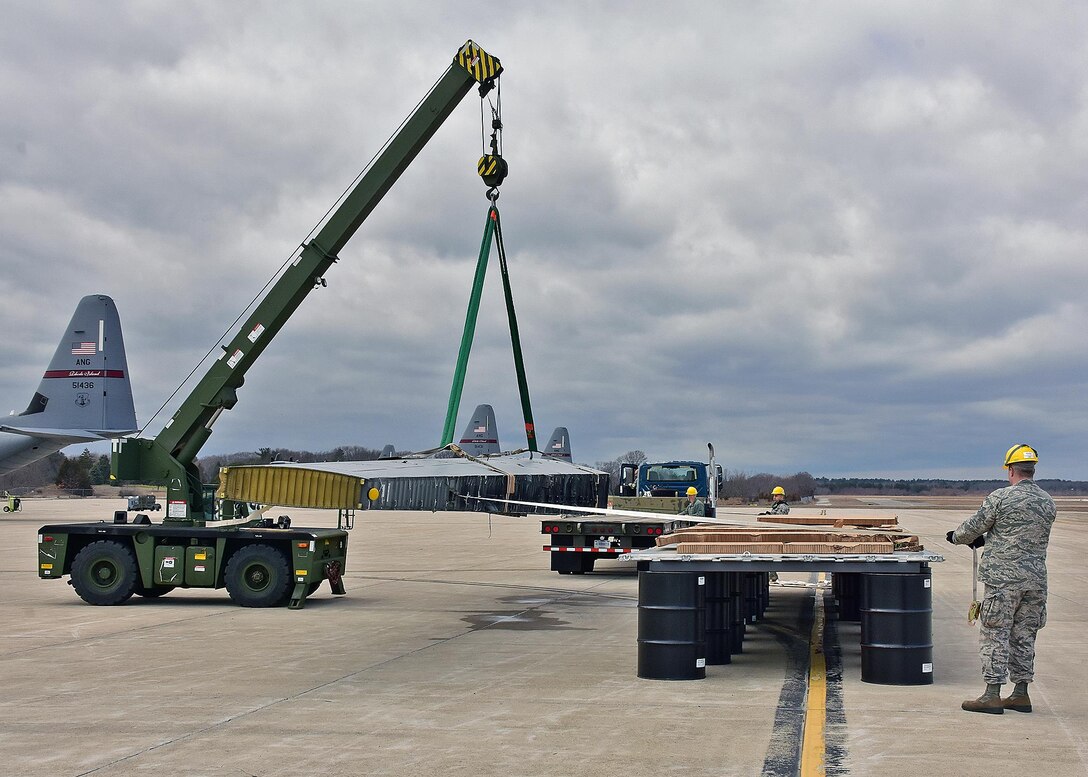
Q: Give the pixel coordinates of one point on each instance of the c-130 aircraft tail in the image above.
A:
(84, 395)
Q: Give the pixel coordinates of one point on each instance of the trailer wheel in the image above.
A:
(258, 576)
(104, 573)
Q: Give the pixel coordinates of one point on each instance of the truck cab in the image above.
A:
(667, 478)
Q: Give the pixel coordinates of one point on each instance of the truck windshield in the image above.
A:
(658, 474)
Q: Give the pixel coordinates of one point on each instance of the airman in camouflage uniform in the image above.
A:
(695, 506)
(778, 507)
(1014, 525)
(778, 502)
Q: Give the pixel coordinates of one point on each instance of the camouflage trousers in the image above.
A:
(1008, 624)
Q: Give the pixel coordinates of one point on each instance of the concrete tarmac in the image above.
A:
(457, 652)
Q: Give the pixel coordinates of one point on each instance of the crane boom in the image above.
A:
(169, 457)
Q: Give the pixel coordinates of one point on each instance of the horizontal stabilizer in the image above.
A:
(70, 435)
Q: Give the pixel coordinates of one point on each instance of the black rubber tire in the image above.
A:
(104, 573)
(153, 593)
(7, 509)
(258, 576)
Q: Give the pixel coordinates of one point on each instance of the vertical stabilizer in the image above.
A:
(85, 389)
(388, 452)
(558, 446)
(481, 436)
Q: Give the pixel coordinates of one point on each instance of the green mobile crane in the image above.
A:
(204, 542)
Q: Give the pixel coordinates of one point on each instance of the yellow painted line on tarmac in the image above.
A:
(813, 745)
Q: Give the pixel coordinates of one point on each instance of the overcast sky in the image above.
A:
(843, 238)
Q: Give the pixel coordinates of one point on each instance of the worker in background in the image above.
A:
(778, 502)
(778, 507)
(1014, 525)
(695, 506)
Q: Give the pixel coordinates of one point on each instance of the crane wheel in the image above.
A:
(258, 576)
(104, 573)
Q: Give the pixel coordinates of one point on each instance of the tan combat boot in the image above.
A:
(1017, 702)
(990, 704)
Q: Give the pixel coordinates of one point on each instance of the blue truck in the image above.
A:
(576, 542)
(667, 478)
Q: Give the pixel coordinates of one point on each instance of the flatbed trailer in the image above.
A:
(577, 542)
(266, 564)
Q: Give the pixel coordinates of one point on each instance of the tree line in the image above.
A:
(72, 473)
(937, 486)
(210, 465)
(86, 470)
(737, 484)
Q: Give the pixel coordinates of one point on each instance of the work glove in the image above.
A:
(977, 542)
(949, 536)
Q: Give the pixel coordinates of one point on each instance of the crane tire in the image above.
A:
(258, 576)
(104, 573)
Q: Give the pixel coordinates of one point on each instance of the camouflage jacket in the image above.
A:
(780, 508)
(1016, 521)
(698, 508)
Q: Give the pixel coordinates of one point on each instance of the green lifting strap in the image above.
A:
(467, 334)
(492, 230)
(515, 339)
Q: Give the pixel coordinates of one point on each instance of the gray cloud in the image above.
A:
(827, 238)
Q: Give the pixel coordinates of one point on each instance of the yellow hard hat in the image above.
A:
(778, 490)
(692, 491)
(1021, 454)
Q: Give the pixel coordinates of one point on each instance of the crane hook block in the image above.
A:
(493, 169)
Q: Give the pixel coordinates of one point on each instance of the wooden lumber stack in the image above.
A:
(838, 522)
(728, 540)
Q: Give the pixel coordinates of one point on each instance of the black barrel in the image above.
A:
(734, 582)
(846, 588)
(671, 626)
(719, 623)
(897, 628)
(751, 597)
